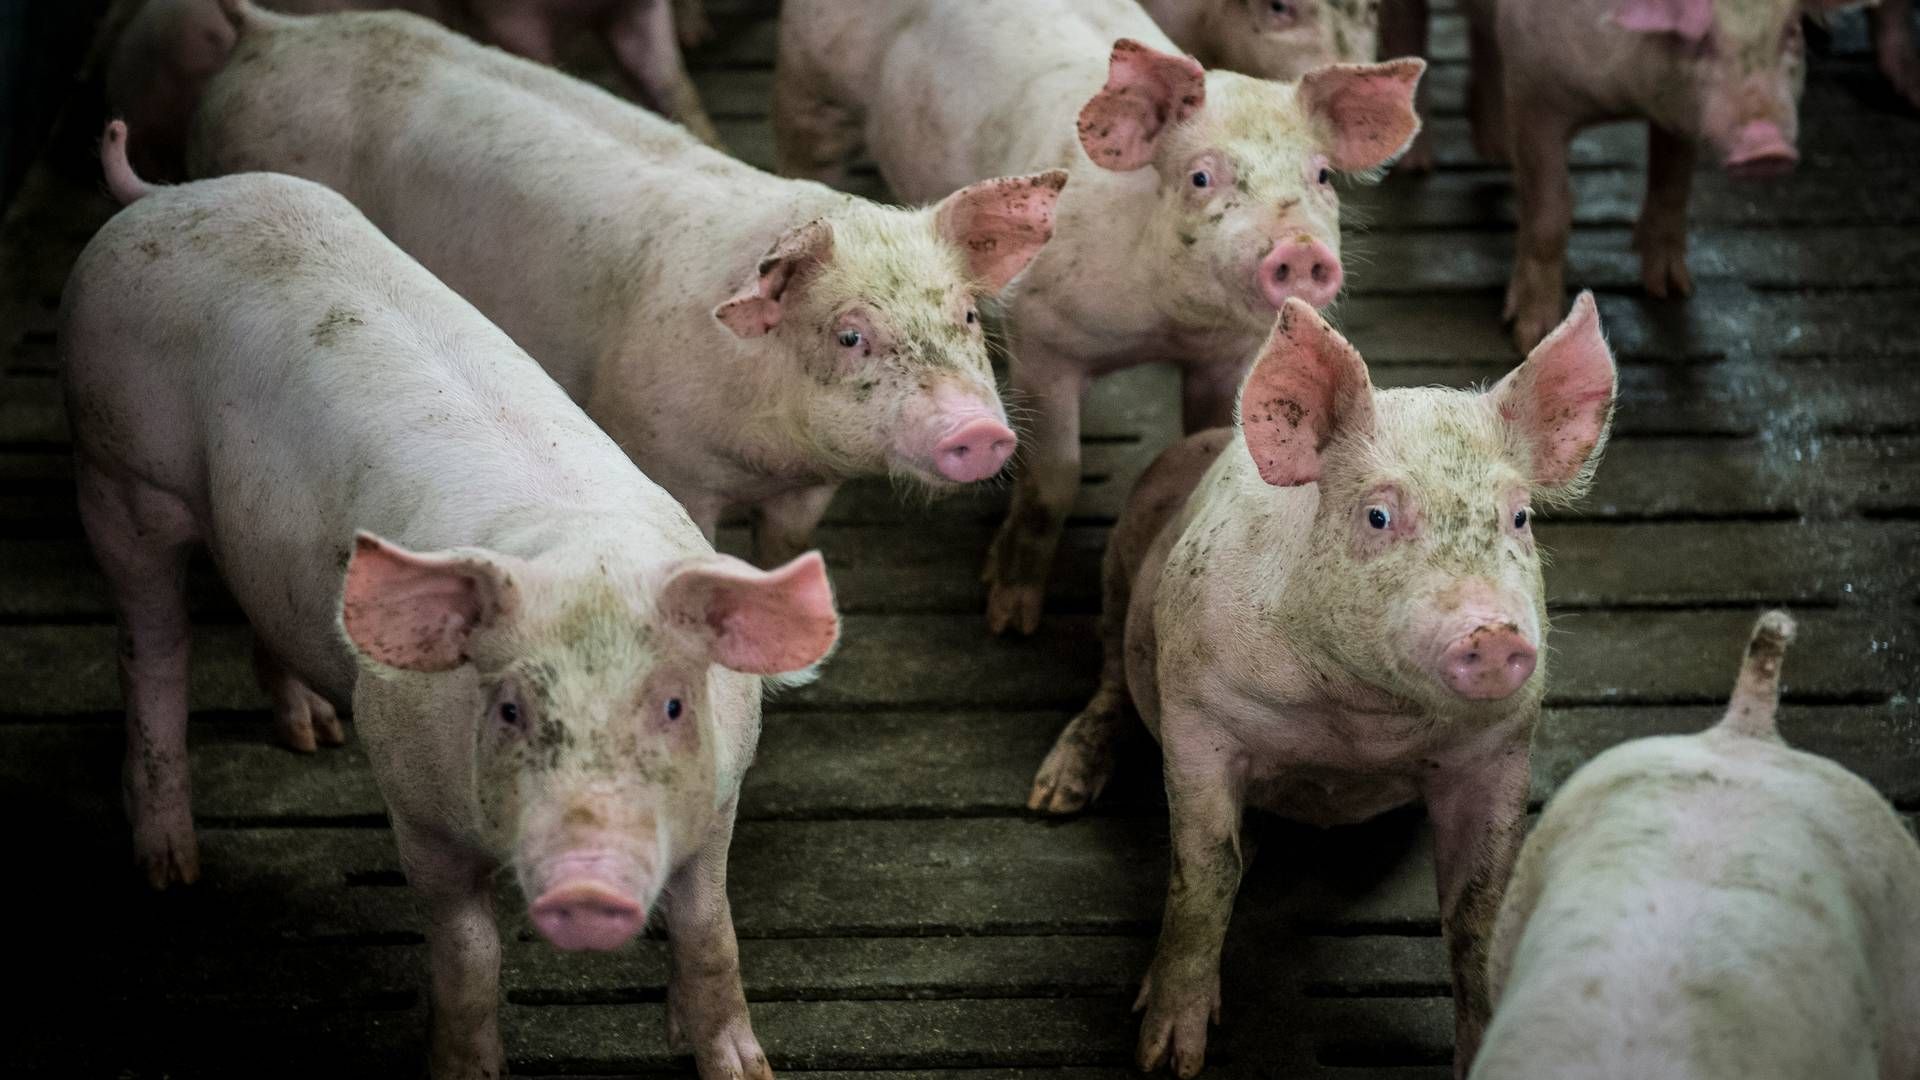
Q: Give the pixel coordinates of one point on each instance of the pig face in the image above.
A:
(880, 309)
(1283, 39)
(605, 736)
(1742, 65)
(1422, 560)
(1246, 214)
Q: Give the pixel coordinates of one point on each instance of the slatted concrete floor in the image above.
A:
(898, 909)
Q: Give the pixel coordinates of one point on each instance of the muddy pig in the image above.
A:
(1716, 906)
(1200, 200)
(752, 341)
(166, 51)
(1273, 39)
(1726, 73)
(552, 669)
(1330, 611)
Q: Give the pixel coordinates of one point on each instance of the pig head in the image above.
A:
(1271, 39)
(601, 726)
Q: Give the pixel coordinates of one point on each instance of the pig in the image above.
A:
(1715, 906)
(1271, 39)
(1200, 202)
(551, 668)
(1330, 610)
(1724, 72)
(751, 341)
(1892, 27)
(160, 60)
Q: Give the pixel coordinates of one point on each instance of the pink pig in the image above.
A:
(163, 55)
(552, 669)
(1716, 906)
(1200, 200)
(1271, 39)
(1726, 73)
(1330, 611)
(752, 341)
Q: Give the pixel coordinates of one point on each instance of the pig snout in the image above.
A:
(1302, 267)
(974, 450)
(1761, 150)
(1488, 663)
(589, 900)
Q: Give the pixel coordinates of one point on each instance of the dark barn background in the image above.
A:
(898, 908)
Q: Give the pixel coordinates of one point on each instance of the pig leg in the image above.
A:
(1479, 820)
(141, 538)
(463, 944)
(813, 138)
(1208, 395)
(1043, 494)
(1892, 22)
(1081, 761)
(304, 720)
(706, 1008)
(783, 525)
(641, 36)
(691, 22)
(1661, 233)
(1486, 92)
(1403, 32)
(1181, 992)
(1537, 292)
(520, 28)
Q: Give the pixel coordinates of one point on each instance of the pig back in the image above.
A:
(255, 347)
(990, 88)
(554, 207)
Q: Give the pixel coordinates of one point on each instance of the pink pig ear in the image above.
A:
(1147, 93)
(1689, 19)
(1308, 386)
(1000, 224)
(1560, 401)
(418, 612)
(796, 254)
(1364, 111)
(761, 622)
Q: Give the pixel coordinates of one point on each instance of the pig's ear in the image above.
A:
(1308, 386)
(761, 622)
(1559, 403)
(419, 612)
(796, 254)
(1147, 93)
(1688, 19)
(1363, 112)
(1000, 224)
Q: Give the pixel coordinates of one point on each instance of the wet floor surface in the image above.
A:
(898, 908)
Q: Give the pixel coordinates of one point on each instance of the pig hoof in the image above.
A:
(1071, 777)
(167, 853)
(306, 721)
(1014, 609)
(732, 1053)
(1174, 1030)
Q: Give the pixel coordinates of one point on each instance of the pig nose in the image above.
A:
(1301, 267)
(1761, 150)
(1488, 664)
(973, 451)
(586, 915)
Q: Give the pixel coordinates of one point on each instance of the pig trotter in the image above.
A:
(163, 842)
(1016, 572)
(1174, 1030)
(1081, 761)
(1660, 236)
(304, 720)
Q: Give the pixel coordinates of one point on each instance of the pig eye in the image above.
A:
(673, 708)
(850, 338)
(972, 316)
(1278, 7)
(1521, 517)
(1379, 517)
(1326, 175)
(1201, 178)
(510, 715)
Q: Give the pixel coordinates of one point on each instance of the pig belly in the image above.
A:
(1327, 797)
